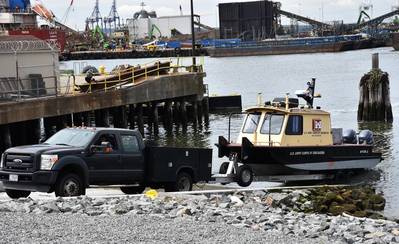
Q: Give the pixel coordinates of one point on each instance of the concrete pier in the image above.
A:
(20, 121)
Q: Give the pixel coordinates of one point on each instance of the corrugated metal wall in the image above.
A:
(247, 20)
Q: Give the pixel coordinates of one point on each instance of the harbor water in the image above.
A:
(338, 76)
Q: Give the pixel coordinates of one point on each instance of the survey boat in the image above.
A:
(282, 140)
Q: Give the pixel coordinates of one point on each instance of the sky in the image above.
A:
(325, 10)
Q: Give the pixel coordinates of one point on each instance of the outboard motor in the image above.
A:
(349, 136)
(366, 137)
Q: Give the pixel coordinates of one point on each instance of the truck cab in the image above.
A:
(76, 158)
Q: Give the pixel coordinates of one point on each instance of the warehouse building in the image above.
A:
(147, 24)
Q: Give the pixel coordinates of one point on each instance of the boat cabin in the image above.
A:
(284, 126)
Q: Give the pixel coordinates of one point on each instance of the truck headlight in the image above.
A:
(48, 161)
(2, 161)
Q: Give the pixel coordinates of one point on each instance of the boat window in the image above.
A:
(275, 121)
(251, 123)
(294, 125)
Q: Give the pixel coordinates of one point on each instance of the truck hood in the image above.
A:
(43, 148)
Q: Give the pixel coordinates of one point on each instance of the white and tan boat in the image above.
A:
(282, 138)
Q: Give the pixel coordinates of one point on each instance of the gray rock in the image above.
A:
(183, 211)
(374, 235)
(236, 201)
(50, 207)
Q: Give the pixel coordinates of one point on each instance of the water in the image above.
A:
(338, 76)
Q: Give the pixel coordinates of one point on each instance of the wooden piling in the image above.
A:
(155, 117)
(102, 117)
(374, 101)
(140, 119)
(168, 115)
(132, 115)
(200, 112)
(195, 113)
(77, 119)
(50, 126)
(205, 106)
(183, 112)
(176, 112)
(34, 133)
(119, 117)
(86, 119)
(6, 137)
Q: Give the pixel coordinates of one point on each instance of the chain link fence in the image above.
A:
(28, 69)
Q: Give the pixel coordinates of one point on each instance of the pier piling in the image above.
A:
(183, 113)
(374, 101)
(132, 115)
(140, 119)
(205, 105)
(155, 117)
(168, 115)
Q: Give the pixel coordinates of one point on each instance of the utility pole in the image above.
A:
(193, 35)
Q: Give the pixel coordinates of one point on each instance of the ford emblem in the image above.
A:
(17, 161)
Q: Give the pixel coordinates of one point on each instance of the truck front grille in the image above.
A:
(19, 162)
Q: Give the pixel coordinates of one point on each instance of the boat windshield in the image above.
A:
(251, 123)
(272, 124)
(71, 137)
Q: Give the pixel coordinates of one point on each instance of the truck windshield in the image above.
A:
(70, 137)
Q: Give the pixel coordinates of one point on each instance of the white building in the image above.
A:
(141, 28)
(28, 67)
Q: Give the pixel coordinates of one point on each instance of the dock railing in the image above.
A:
(133, 75)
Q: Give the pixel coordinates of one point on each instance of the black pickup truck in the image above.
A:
(76, 158)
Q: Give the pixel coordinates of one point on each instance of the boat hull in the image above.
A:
(277, 160)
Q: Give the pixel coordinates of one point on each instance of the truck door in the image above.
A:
(105, 167)
(132, 159)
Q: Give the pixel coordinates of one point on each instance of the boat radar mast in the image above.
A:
(309, 94)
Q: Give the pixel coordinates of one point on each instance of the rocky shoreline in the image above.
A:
(279, 214)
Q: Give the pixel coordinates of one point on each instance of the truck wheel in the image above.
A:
(69, 185)
(133, 189)
(223, 168)
(245, 176)
(184, 182)
(15, 194)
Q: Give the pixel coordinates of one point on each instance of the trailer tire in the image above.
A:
(184, 182)
(16, 194)
(223, 168)
(69, 185)
(245, 176)
(129, 190)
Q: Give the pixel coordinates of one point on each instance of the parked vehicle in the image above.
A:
(77, 158)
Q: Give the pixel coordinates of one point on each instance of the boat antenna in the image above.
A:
(311, 89)
(287, 101)
(309, 94)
